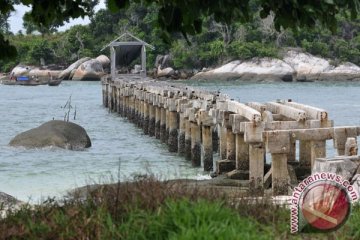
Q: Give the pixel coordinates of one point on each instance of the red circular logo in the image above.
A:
(326, 206)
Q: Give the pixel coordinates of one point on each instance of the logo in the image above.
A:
(321, 203)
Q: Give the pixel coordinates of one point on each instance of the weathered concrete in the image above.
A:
(196, 123)
(207, 148)
(173, 132)
(195, 144)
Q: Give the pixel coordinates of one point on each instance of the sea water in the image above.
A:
(120, 150)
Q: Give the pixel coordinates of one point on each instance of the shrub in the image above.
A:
(248, 50)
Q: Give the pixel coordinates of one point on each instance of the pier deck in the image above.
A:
(196, 124)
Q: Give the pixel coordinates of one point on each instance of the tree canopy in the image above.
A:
(44, 14)
(188, 17)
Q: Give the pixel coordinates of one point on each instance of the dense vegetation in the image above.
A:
(215, 44)
(149, 209)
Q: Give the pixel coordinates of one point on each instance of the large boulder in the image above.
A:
(91, 70)
(163, 61)
(104, 60)
(34, 73)
(20, 70)
(343, 72)
(307, 67)
(56, 133)
(8, 203)
(257, 69)
(166, 72)
(66, 73)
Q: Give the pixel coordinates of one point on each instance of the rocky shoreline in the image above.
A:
(295, 66)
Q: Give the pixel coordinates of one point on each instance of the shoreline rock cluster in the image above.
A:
(84, 69)
(294, 67)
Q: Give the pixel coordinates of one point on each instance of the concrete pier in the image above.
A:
(196, 124)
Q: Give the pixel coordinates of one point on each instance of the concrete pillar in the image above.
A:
(136, 111)
(223, 142)
(146, 118)
(242, 153)
(305, 153)
(131, 112)
(187, 139)
(318, 150)
(173, 131)
(230, 145)
(114, 99)
(163, 125)
(117, 100)
(141, 114)
(256, 167)
(157, 121)
(215, 139)
(109, 98)
(151, 120)
(280, 174)
(121, 104)
(181, 140)
(126, 107)
(291, 157)
(351, 148)
(166, 135)
(105, 94)
(195, 144)
(207, 148)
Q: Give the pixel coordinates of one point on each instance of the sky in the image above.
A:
(16, 22)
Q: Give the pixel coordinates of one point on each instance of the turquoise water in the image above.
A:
(117, 145)
(119, 149)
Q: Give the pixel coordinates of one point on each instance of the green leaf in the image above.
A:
(329, 2)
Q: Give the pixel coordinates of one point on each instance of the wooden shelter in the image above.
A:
(126, 48)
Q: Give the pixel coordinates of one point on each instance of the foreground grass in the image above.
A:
(149, 209)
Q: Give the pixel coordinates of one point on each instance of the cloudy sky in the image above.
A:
(16, 22)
